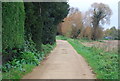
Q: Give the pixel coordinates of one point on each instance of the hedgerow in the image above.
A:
(13, 17)
(28, 31)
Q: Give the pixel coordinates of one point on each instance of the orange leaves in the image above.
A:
(72, 23)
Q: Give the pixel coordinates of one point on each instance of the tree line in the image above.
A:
(88, 25)
(28, 25)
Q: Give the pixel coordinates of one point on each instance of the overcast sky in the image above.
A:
(84, 5)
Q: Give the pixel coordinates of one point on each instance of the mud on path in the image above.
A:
(62, 63)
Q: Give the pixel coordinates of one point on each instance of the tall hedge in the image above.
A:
(12, 24)
(42, 19)
(13, 16)
(53, 13)
(33, 23)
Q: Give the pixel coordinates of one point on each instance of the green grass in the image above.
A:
(104, 64)
(0, 75)
(60, 37)
(17, 73)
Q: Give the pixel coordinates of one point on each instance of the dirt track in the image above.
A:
(62, 63)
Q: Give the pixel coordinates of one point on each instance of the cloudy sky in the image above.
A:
(84, 5)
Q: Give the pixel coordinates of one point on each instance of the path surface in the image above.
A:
(62, 63)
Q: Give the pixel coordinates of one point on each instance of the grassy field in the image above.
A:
(103, 63)
(106, 45)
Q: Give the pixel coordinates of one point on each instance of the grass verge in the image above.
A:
(17, 73)
(61, 37)
(104, 64)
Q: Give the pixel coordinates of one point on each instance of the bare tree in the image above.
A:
(98, 15)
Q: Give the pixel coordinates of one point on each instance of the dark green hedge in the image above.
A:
(13, 17)
(12, 24)
(52, 14)
(26, 26)
(42, 19)
(33, 23)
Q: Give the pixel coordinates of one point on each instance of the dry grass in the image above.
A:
(106, 45)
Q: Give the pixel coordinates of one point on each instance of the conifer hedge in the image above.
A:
(33, 23)
(12, 24)
(52, 14)
(13, 17)
(28, 25)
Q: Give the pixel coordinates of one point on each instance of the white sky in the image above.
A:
(84, 5)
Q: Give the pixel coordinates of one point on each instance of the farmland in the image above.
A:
(106, 45)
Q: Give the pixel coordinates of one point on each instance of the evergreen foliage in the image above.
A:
(33, 23)
(13, 16)
(26, 28)
(12, 24)
(52, 13)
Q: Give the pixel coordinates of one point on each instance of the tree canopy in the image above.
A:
(98, 15)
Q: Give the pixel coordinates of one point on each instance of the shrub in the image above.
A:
(18, 62)
(29, 58)
(13, 24)
(53, 13)
(46, 49)
(12, 28)
(33, 23)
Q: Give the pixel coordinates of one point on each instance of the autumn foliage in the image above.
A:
(86, 25)
(72, 25)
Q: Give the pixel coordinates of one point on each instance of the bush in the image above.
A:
(19, 51)
(30, 46)
(33, 24)
(11, 65)
(18, 62)
(13, 24)
(29, 58)
(53, 13)
(12, 28)
(46, 48)
(11, 53)
(16, 73)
